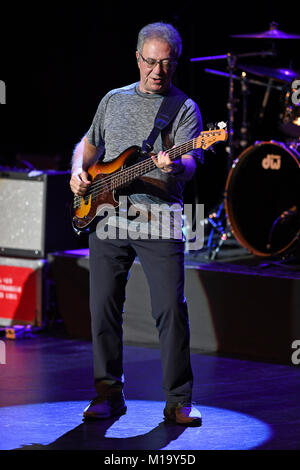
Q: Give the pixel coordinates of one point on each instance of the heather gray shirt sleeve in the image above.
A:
(95, 135)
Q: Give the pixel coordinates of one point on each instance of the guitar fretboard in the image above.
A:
(141, 168)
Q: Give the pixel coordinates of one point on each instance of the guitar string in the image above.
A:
(173, 153)
(128, 173)
(148, 162)
(112, 181)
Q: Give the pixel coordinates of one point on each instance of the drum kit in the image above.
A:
(261, 203)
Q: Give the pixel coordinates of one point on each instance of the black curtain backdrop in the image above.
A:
(58, 60)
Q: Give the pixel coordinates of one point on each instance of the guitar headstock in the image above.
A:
(208, 138)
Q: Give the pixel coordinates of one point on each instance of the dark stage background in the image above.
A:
(58, 60)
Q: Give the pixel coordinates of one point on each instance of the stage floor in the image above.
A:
(47, 381)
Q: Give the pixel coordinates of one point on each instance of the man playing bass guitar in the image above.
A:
(124, 118)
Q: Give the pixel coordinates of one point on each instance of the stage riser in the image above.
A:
(230, 313)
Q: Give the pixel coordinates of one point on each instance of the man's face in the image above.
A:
(157, 78)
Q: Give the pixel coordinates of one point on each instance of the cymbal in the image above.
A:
(284, 75)
(271, 33)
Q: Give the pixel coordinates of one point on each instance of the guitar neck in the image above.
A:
(146, 165)
(180, 150)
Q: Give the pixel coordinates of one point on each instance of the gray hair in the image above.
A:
(163, 31)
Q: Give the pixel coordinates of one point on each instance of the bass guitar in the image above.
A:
(109, 177)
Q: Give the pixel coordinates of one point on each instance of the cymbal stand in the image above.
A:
(231, 109)
(265, 99)
(244, 140)
(218, 219)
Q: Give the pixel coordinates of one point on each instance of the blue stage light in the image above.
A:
(59, 425)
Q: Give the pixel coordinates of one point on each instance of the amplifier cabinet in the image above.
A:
(35, 215)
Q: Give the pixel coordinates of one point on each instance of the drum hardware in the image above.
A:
(280, 74)
(288, 123)
(283, 218)
(225, 56)
(219, 222)
(242, 77)
(289, 118)
(272, 33)
(265, 99)
(245, 81)
(232, 59)
(294, 144)
(244, 124)
(262, 200)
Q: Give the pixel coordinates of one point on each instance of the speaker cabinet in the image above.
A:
(34, 213)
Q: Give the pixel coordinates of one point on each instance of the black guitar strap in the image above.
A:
(166, 113)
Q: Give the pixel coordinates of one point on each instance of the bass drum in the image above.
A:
(262, 198)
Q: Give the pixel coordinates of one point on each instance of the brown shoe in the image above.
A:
(109, 402)
(183, 413)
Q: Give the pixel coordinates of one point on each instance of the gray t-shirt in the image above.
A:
(125, 117)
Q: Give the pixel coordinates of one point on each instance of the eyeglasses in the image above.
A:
(165, 63)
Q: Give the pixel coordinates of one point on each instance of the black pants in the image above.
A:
(163, 264)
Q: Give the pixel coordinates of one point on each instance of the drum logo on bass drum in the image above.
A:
(272, 162)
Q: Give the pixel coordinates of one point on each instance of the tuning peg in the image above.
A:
(210, 126)
(222, 125)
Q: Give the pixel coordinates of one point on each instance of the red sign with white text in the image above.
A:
(18, 294)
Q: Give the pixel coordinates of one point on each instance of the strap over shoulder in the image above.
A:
(169, 108)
